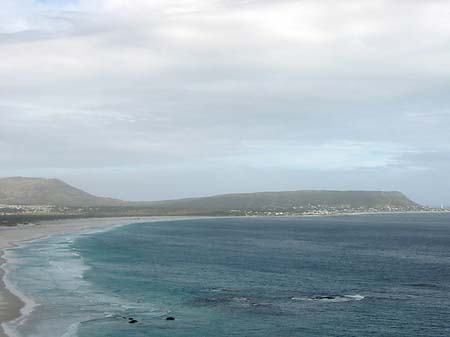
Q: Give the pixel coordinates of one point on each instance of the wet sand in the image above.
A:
(10, 305)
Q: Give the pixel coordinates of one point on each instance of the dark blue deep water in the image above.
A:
(372, 275)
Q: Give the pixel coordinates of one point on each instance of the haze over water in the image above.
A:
(378, 275)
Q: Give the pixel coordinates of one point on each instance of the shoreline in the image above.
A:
(11, 305)
(24, 220)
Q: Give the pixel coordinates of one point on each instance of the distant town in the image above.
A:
(14, 214)
(330, 210)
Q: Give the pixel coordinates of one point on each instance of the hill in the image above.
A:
(67, 201)
(38, 191)
(265, 201)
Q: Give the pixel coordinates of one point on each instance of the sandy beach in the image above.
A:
(10, 305)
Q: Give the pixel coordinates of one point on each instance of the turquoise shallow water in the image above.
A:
(378, 275)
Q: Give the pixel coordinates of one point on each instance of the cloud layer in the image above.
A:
(229, 95)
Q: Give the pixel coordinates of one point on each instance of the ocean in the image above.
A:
(359, 275)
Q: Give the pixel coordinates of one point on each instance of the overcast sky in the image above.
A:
(157, 99)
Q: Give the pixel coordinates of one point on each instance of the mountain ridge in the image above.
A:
(291, 199)
(41, 191)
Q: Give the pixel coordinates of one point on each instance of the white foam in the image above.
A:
(29, 304)
(72, 331)
(332, 298)
(58, 269)
(355, 297)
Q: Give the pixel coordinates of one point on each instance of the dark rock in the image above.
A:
(132, 321)
(170, 318)
(324, 297)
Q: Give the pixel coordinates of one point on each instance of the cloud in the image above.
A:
(112, 83)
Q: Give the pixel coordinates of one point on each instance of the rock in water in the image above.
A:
(324, 297)
(170, 318)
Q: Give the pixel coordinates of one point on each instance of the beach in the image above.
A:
(11, 305)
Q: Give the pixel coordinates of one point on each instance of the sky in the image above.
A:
(162, 99)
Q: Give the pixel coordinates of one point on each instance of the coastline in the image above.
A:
(11, 306)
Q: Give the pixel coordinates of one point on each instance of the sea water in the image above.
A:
(369, 275)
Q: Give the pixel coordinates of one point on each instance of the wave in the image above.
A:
(330, 298)
(41, 269)
(29, 304)
(72, 331)
(51, 274)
